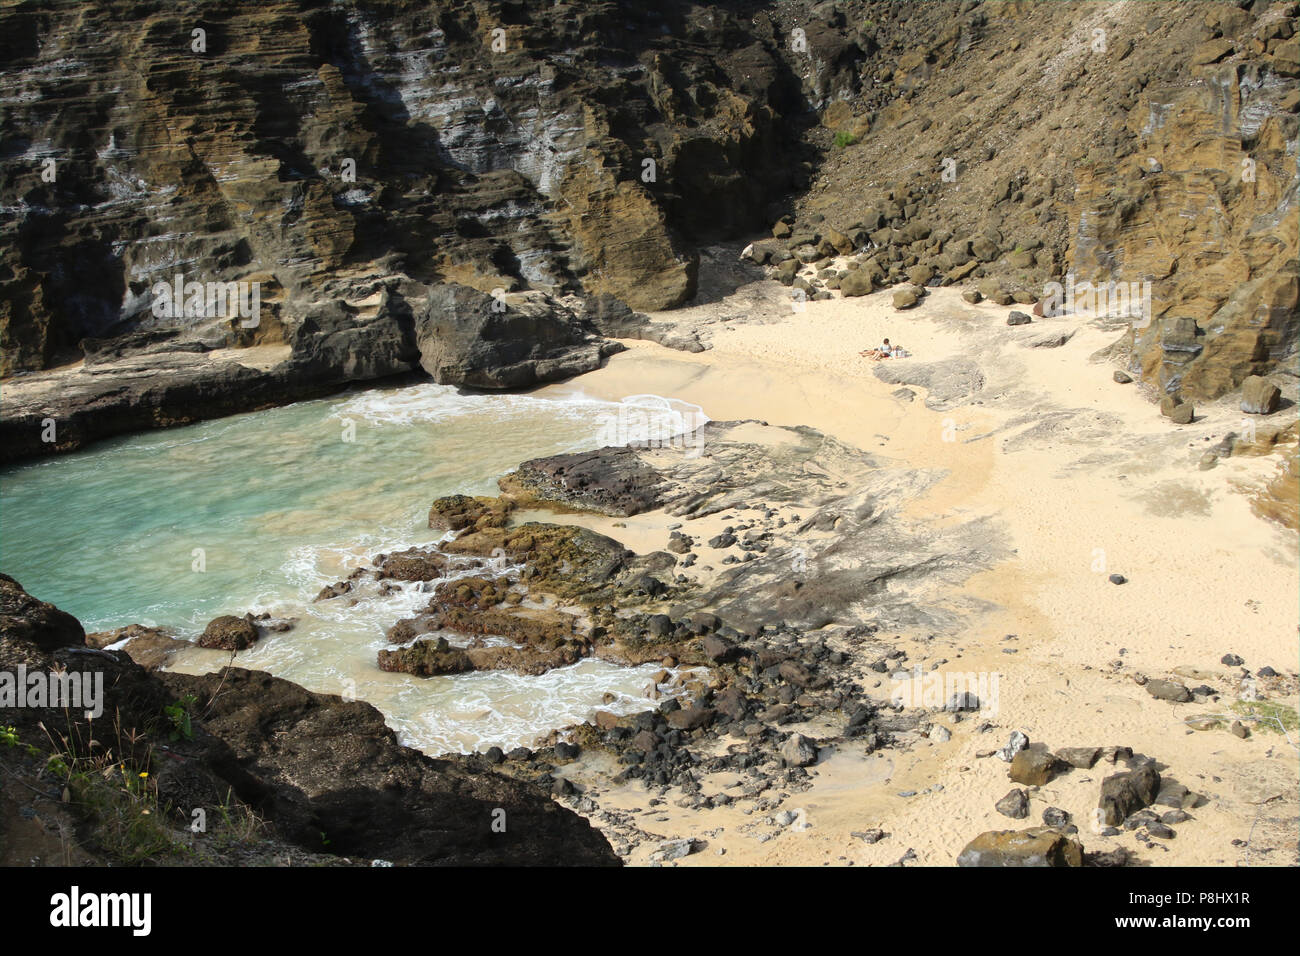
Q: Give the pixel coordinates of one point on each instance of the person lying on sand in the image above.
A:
(884, 351)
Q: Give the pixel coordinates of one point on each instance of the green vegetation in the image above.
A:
(1270, 715)
(9, 737)
(179, 715)
(844, 138)
(111, 791)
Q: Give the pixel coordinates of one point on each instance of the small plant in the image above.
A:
(239, 824)
(1275, 717)
(844, 138)
(9, 737)
(179, 715)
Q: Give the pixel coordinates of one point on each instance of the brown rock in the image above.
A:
(1037, 846)
(1259, 396)
(229, 633)
(1033, 767)
(858, 282)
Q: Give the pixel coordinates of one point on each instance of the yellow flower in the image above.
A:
(144, 774)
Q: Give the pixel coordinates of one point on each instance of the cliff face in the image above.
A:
(350, 159)
(1129, 143)
(330, 152)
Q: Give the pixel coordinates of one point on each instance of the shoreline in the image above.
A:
(1027, 477)
(1046, 468)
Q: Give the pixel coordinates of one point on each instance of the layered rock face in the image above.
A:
(349, 163)
(330, 153)
(1027, 143)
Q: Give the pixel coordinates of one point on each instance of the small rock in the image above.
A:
(1018, 318)
(1117, 579)
(1015, 805)
(676, 849)
(1238, 729)
(1169, 690)
(1080, 757)
(962, 701)
(1017, 742)
(1056, 818)
(798, 751)
(1122, 378)
(1033, 767)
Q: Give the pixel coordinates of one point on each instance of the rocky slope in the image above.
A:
(1127, 143)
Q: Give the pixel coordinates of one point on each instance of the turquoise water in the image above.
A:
(257, 512)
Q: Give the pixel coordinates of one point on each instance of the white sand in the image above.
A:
(1109, 487)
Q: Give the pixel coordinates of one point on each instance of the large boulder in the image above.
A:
(1259, 396)
(229, 633)
(858, 282)
(513, 340)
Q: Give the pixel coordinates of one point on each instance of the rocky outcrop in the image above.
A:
(612, 481)
(466, 337)
(24, 618)
(776, 566)
(326, 774)
(229, 633)
(1149, 166)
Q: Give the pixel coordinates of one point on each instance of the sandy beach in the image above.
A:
(1082, 478)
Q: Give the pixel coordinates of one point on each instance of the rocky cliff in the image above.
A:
(352, 162)
(1029, 143)
(334, 152)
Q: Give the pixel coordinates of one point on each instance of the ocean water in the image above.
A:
(258, 512)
